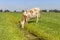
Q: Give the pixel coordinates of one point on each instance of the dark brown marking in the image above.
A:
(31, 11)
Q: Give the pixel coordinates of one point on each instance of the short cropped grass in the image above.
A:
(48, 27)
(8, 27)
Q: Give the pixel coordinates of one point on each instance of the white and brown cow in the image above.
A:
(32, 13)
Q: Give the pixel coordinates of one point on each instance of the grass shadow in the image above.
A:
(31, 21)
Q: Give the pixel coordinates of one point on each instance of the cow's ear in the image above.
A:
(31, 11)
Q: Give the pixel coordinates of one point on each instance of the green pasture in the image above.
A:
(48, 27)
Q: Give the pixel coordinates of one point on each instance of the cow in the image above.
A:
(29, 14)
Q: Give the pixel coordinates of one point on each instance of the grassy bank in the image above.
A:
(48, 27)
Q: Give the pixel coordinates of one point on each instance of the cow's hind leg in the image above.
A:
(37, 20)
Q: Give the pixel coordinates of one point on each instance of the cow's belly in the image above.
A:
(32, 16)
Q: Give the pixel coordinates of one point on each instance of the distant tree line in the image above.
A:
(4, 10)
(43, 10)
(55, 10)
(10, 11)
(1, 10)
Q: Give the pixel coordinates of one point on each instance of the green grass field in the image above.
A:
(48, 27)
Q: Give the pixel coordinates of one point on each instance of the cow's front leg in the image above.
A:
(27, 19)
(22, 24)
(37, 20)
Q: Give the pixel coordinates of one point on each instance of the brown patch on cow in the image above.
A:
(31, 11)
(24, 18)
